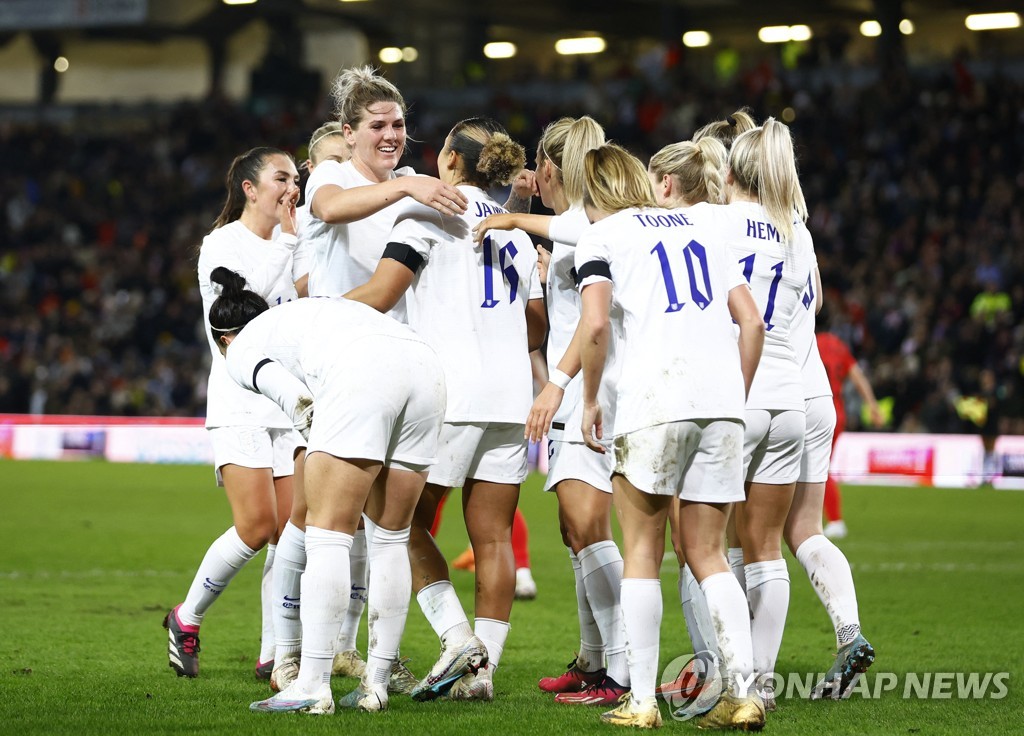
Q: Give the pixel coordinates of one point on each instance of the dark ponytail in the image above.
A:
(236, 306)
(244, 168)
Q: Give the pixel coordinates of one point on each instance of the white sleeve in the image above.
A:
(568, 227)
(302, 260)
(249, 367)
(419, 227)
(592, 261)
(326, 172)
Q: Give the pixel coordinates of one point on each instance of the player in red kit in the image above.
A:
(840, 365)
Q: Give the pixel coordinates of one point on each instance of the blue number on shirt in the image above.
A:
(696, 258)
(506, 255)
(773, 290)
(808, 299)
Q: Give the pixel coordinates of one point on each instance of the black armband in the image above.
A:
(404, 254)
(593, 268)
(257, 370)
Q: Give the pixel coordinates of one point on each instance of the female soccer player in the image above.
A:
(253, 441)
(368, 446)
(580, 478)
(678, 409)
(774, 250)
(481, 309)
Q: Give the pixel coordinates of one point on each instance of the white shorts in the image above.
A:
(772, 446)
(488, 451)
(697, 460)
(576, 461)
(254, 447)
(378, 398)
(821, 425)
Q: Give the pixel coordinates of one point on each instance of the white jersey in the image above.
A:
(671, 275)
(469, 304)
(301, 256)
(778, 274)
(805, 345)
(563, 317)
(267, 268)
(345, 255)
(295, 336)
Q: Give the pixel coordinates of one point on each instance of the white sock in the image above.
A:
(267, 606)
(591, 654)
(728, 606)
(225, 557)
(641, 615)
(601, 565)
(830, 574)
(493, 634)
(325, 587)
(701, 628)
(736, 563)
(289, 563)
(444, 612)
(390, 590)
(768, 595)
(357, 597)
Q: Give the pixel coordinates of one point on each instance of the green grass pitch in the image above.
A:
(94, 554)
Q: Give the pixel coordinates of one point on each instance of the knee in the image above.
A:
(258, 532)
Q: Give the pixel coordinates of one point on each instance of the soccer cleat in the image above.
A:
(465, 561)
(572, 681)
(455, 662)
(852, 660)
(182, 645)
(284, 674)
(741, 714)
(635, 713)
(606, 692)
(348, 664)
(402, 680)
(366, 697)
(264, 669)
(320, 702)
(768, 698)
(686, 685)
(477, 685)
(835, 529)
(526, 588)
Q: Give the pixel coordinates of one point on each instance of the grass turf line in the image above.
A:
(95, 554)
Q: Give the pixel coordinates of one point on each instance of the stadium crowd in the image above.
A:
(913, 183)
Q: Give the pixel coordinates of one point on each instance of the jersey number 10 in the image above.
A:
(696, 258)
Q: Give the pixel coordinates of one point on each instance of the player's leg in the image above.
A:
(289, 564)
(526, 587)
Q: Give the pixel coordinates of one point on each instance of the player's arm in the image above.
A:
(863, 386)
(254, 371)
(536, 323)
(819, 298)
(751, 341)
(336, 205)
(594, 334)
(394, 275)
(302, 285)
(545, 406)
(533, 224)
(523, 189)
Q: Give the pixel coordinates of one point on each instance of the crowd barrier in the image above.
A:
(930, 460)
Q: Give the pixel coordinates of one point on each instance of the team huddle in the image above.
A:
(371, 351)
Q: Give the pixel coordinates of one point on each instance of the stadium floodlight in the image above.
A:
(696, 39)
(409, 53)
(61, 64)
(390, 55)
(871, 28)
(800, 33)
(775, 34)
(906, 27)
(992, 21)
(586, 45)
(499, 50)
(239, 2)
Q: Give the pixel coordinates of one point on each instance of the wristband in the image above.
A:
(559, 378)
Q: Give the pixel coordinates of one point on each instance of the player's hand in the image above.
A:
(492, 222)
(286, 211)
(304, 416)
(435, 194)
(543, 261)
(593, 427)
(542, 412)
(524, 185)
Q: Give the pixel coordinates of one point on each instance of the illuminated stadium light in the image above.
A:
(696, 39)
(499, 50)
(390, 55)
(784, 34)
(588, 45)
(871, 28)
(239, 2)
(61, 64)
(906, 27)
(992, 21)
(409, 53)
